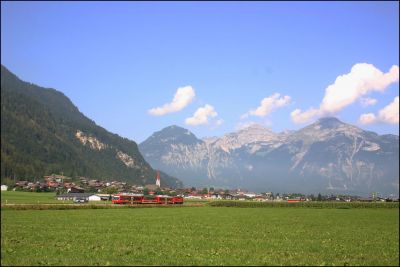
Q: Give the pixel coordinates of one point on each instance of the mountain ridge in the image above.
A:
(43, 132)
(325, 156)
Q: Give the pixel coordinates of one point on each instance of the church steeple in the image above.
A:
(158, 182)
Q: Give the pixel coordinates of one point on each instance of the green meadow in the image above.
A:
(20, 197)
(201, 236)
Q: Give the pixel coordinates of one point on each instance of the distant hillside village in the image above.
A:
(66, 185)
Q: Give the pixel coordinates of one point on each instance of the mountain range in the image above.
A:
(43, 132)
(328, 156)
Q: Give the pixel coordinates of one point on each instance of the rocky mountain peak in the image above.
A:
(329, 122)
(255, 132)
(173, 134)
(328, 155)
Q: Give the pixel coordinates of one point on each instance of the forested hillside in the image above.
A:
(43, 132)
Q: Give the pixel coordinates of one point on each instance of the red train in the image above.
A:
(141, 199)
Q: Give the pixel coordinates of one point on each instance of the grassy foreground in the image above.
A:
(200, 236)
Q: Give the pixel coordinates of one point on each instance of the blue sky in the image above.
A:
(117, 61)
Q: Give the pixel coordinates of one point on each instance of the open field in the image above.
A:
(19, 197)
(41, 200)
(200, 236)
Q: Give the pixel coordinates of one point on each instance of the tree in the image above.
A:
(319, 198)
(159, 192)
(110, 190)
(204, 191)
(145, 191)
(9, 182)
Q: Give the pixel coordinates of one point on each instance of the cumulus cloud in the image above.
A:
(367, 118)
(302, 117)
(268, 105)
(389, 114)
(362, 79)
(183, 97)
(368, 101)
(201, 115)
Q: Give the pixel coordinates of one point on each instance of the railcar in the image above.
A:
(148, 199)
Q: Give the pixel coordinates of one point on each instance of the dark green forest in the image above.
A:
(38, 128)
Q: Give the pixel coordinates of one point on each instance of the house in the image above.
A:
(229, 197)
(250, 194)
(53, 184)
(94, 198)
(151, 187)
(216, 196)
(104, 197)
(75, 189)
(241, 197)
(4, 187)
(259, 198)
(195, 196)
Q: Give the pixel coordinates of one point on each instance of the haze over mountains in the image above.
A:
(43, 132)
(326, 156)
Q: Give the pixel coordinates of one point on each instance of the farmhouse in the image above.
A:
(94, 198)
(229, 196)
(259, 198)
(216, 196)
(104, 196)
(75, 189)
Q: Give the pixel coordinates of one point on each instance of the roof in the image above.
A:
(128, 194)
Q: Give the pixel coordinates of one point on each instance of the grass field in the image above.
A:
(19, 197)
(200, 236)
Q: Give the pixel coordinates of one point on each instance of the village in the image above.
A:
(68, 188)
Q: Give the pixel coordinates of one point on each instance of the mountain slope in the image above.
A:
(326, 156)
(42, 132)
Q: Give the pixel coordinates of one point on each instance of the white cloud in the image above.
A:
(368, 101)
(303, 117)
(362, 79)
(268, 105)
(367, 118)
(183, 97)
(389, 114)
(201, 115)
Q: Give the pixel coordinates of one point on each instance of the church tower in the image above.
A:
(158, 182)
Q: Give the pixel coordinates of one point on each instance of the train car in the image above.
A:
(127, 199)
(148, 199)
(177, 200)
(162, 199)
